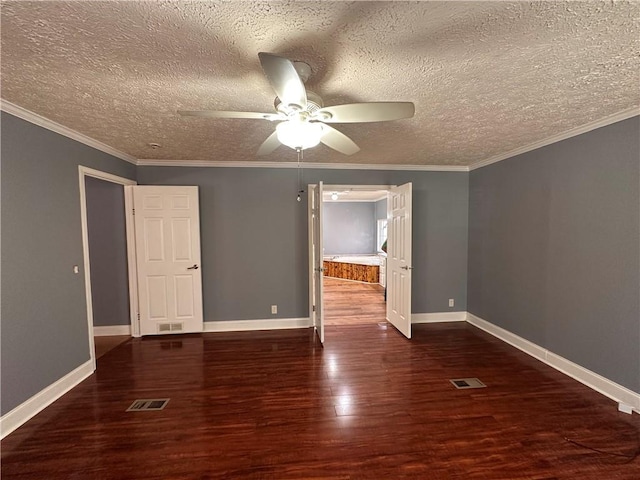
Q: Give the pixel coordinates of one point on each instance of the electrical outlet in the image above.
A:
(451, 302)
(274, 309)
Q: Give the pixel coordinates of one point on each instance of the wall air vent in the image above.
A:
(169, 327)
(464, 383)
(147, 404)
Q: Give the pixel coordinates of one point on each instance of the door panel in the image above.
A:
(156, 293)
(153, 239)
(181, 239)
(167, 228)
(399, 258)
(184, 296)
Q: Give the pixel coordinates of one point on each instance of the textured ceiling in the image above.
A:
(486, 77)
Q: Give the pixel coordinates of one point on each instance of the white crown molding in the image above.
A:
(149, 162)
(41, 400)
(260, 324)
(622, 395)
(43, 122)
(603, 122)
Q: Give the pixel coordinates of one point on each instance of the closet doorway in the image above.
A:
(106, 239)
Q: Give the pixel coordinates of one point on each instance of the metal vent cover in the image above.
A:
(169, 327)
(465, 383)
(148, 404)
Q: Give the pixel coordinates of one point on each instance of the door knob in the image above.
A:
(406, 267)
(194, 267)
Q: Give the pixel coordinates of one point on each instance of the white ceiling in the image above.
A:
(486, 77)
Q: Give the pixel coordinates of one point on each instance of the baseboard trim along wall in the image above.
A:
(438, 317)
(264, 324)
(27, 410)
(626, 398)
(110, 330)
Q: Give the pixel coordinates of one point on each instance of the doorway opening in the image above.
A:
(101, 195)
(398, 263)
(354, 257)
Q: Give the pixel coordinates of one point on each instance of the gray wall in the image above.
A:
(254, 236)
(44, 316)
(381, 209)
(349, 228)
(107, 252)
(554, 249)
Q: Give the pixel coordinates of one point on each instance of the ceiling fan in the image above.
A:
(303, 119)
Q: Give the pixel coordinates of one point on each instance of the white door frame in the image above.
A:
(312, 266)
(84, 172)
(329, 188)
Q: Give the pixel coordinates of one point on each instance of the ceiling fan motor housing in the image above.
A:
(314, 103)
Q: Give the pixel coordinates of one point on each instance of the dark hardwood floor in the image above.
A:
(108, 343)
(353, 303)
(369, 405)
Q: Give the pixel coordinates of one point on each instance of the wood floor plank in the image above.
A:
(353, 303)
(107, 343)
(369, 405)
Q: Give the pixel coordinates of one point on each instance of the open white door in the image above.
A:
(399, 258)
(167, 229)
(316, 310)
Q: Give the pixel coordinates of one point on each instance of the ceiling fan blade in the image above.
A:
(223, 114)
(284, 79)
(338, 141)
(269, 145)
(366, 112)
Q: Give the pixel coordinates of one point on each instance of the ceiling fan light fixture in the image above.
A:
(303, 118)
(299, 135)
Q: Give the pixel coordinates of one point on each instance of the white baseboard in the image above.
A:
(110, 330)
(597, 382)
(248, 325)
(27, 410)
(438, 317)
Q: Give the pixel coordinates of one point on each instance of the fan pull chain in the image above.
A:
(300, 190)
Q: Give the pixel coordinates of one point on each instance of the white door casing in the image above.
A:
(399, 258)
(167, 228)
(311, 228)
(316, 260)
(126, 183)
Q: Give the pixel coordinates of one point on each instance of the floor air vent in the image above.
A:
(147, 404)
(463, 383)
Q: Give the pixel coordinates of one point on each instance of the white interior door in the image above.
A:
(316, 312)
(167, 229)
(399, 258)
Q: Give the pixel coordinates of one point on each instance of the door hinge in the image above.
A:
(133, 210)
(138, 317)
(313, 309)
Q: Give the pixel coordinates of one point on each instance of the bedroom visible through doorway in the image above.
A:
(354, 224)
